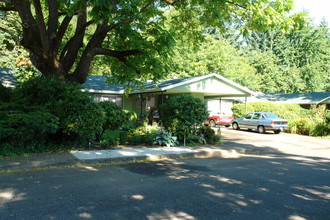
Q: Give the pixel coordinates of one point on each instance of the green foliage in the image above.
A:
(215, 55)
(165, 138)
(123, 137)
(287, 111)
(142, 134)
(5, 93)
(195, 140)
(300, 126)
(182, 114)
(115, 116)
(25, 129)
(13, 55)
(79, 116)
(110, 138)
(148, 28)
(209, 134)
(292, 61)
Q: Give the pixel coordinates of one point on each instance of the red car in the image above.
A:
(215, 120)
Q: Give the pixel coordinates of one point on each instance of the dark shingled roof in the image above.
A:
(7, 78)
(99, 84)
(297, 98)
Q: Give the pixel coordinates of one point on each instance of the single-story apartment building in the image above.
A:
(305, 100)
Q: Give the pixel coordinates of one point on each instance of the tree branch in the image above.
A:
(53, 18)
(120, 55)
(61, 31)
(68, 44)
(41, 25)
(236, 4)
(76, 42)
(31, 38)
(7, 8)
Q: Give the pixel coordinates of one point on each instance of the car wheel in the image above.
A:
(212, 123)
(261, 129)
(235, 126)
(227, 126)
(277, 131)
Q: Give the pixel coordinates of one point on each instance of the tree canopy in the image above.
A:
(64, 37)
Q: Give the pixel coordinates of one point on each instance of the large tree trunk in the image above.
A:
(49, 52)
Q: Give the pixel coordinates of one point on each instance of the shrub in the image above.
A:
(25, 129)
(287, 111)
(183, 114)
(165, 138)
(135, 139)
(110, 138)
(115, 116)
(5, 93)
(123, 137)
(300, 126)
(206, 132)
(195, 139)
(79, 116)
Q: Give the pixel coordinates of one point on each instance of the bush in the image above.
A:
(135, 139)
(5, 93)
(195, 139)
(183, 114)
(79, 116)
(206, 132)
(287, 111)
(25, 129)
(123, 137)
(115, 116)
(165, 138)
(300, 126)
(110, 138)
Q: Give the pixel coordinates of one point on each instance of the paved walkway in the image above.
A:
(79, 158)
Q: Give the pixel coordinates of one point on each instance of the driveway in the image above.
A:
(284, 142)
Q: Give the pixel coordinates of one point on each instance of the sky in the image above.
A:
(318, 9)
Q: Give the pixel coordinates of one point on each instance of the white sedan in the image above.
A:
(260, 121)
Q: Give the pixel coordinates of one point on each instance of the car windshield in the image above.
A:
(270, 115)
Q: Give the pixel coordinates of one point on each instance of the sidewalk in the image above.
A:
(80, 158)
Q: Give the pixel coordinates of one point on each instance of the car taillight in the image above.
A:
(272, 122)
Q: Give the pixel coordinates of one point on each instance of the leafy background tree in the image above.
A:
(64, 37)
(12, 54)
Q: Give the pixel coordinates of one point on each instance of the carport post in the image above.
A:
(220, 101)
(245, 104)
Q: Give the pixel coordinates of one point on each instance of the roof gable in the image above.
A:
(211, 84)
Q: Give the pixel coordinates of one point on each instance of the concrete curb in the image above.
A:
(68, 160)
